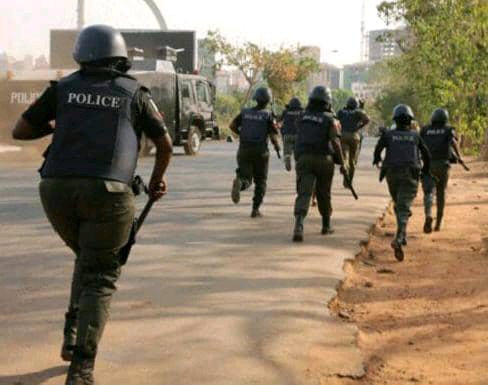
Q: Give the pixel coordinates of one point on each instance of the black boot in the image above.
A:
(298, 230)
(255, 213)
(396, 244)
(438, 222)
(326, 227)
(69, 336)
(80, 371)
(428, 225)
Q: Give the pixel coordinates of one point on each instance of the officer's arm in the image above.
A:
(164, 149)
(335, 141)
(274, 132)
(35, 121)
(425, 153)
(235, 124)
(364, 120)
(378, 149)
(455, 145)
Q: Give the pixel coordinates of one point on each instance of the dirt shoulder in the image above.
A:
(425, 320)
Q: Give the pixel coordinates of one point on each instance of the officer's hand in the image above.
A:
(157, 189)
(343, 170)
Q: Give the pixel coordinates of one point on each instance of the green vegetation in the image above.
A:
(444, 62)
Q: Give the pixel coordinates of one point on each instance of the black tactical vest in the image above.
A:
(402, 149)
(313, 134)
(290, 121)
(94, 135)
(254, 126)
(349, 120)
(438, 141)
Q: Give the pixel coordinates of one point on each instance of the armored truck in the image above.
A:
(185, 100)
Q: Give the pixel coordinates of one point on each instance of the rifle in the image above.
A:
(273, 115)
(349, 185)
(137, 186)
(461, 162)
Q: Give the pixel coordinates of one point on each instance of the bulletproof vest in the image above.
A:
(290, 121)
(349, 120)
(438, 141)
(313, 133)
(254, 126)
(94, 135)
(402, 149)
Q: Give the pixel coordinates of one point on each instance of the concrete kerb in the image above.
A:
(348, 267)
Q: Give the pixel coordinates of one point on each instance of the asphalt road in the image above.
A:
(209, 296)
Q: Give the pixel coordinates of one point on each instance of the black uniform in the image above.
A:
(256, 126)
(290, 119)
(439, 139)
(100, 115)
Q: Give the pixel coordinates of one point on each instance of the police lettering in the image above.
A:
(94, 100)
(402, 138)
(313, 118)
(23, 97)
(254, 117)
(434, 131)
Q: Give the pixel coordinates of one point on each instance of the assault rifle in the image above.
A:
(349, 185)
(461, 162)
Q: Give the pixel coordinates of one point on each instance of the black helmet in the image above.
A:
(321, 94)
(352, 103)
(402, 114)
(440, 116)
(98, 42)
(294, 103)
(262, 95)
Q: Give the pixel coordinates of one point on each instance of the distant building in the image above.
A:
(328, 75)
(230, 80)
(365, 90)
(3, 62)
(383, 44)
(355, 73)
(206, 63)
(41, 63)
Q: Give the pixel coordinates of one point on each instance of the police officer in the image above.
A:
(254, 126)
(100, 113)
(289, 119)
(352, 119)
(315, 164)
(440, 139)
(402, 166)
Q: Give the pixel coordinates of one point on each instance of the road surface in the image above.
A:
(209, 296)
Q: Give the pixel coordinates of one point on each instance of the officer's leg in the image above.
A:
(443, 176)
(346, 151)
(325, 174)
(428, 189)
(58, 200)
(260, 176)
(354, 156)
(288, 150)
(305, 184)
(243, 178)
(393, 182)
(106, 223)
(406, 196)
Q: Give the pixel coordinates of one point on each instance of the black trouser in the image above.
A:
(253, 164)
(438, 182)
(314, 172)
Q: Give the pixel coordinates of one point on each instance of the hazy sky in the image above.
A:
(330, 24)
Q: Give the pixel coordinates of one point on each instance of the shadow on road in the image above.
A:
(35, 378)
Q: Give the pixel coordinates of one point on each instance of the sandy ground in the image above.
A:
(425, 320)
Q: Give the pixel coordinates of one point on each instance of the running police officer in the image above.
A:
(402, 166)
(352, 119)
(315, 164)
(100, 114)
(440, 139)
(254, 126)
(290, 118)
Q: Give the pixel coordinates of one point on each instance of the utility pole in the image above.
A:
(81, 14)
(363, 54)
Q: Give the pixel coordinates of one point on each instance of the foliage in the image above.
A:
(339, 98)
(444, 61)
(284, 70)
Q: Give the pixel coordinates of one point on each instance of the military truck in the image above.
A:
(186, 101)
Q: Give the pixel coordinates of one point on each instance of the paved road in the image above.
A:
(209, 296)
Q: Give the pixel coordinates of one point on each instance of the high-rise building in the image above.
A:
(383, 43)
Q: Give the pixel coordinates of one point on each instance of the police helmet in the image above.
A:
(321, 94)
(262, 95)
(97, 42)
(352, 103)
(440, 116)
(294, 103)
(402, 114)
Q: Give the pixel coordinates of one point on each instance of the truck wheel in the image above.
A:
(193, 142)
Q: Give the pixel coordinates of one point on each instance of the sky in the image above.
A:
(332, 25)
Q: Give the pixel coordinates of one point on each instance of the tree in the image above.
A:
(444, 61)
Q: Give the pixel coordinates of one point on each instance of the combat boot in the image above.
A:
(288, 163)
(255, 213)
(326, 227)
(80, 371)
(236, 190)
(396, 245)
(428, 225)
(298, 230)
(438, 224)
(69, 336)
